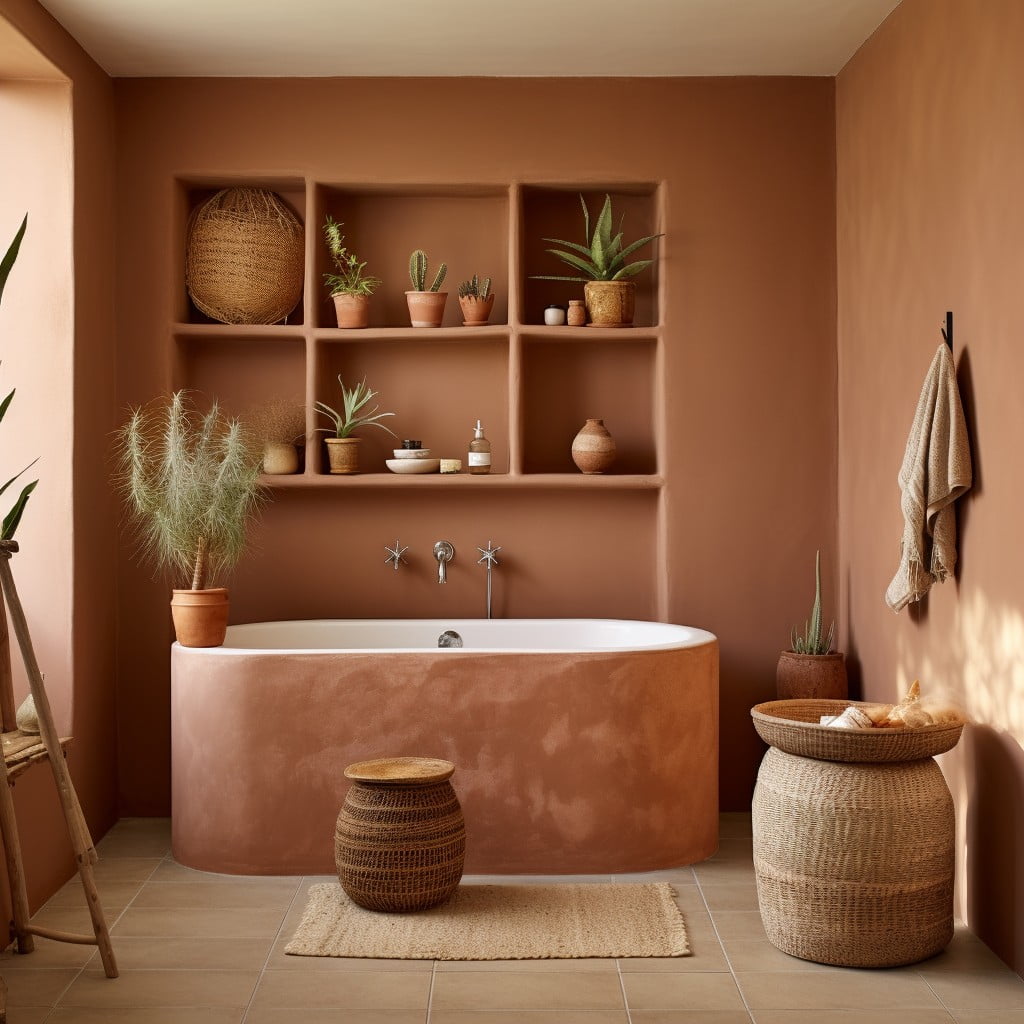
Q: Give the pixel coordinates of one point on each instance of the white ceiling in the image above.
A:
(328, 38)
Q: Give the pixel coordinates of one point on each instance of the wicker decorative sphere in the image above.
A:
(244, 257)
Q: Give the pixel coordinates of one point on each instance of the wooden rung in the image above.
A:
(22, 750)
(49, 933)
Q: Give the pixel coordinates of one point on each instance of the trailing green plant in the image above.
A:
(475, 287)
(191, 484)
(602, 257)
(13, 517)
(348, 277)
(351, 418)
(418, 272)
(812, 642)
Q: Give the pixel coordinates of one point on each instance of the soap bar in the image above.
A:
(451, 465)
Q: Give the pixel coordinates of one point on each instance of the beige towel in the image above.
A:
(936, 471)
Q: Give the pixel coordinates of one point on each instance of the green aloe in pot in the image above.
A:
(811, 640)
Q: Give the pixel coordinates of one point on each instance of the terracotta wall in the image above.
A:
(745, 369)
(930, 157)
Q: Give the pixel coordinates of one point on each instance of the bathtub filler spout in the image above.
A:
(449, 638)
(444, 552)
(396, 555)
(490, 558)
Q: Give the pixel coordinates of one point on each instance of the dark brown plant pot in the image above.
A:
(200, 616)
(800, 676)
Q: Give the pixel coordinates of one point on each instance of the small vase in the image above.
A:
(352, 310)
(343, 454)
(200, 616)
(593, 448)
(577, 313)
(280, 458)
(475, 311)
(610, 303)
(426, 309)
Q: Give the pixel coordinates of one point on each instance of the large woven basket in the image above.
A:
(244, 257)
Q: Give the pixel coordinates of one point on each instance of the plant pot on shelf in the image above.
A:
(610, 303)
(343, 454)
(802, 676)
(593, 448)
(475, 311)
(352, 310)
(426, 309)
(200, 616)
(280, 458)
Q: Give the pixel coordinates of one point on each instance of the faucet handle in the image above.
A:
(444, 552)
(396, 555)
(490, 555)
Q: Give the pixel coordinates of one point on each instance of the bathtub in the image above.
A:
(580, 745)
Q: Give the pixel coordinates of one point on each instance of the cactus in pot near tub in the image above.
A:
(426, 305)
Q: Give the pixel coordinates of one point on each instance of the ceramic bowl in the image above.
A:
(413, 465)
(411, 453)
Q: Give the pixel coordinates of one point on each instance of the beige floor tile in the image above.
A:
(988, 1016)
(137, 837)
(162, 988)
(46, 954)
(114, 896)
(964, 953)
(557, 965)
(707, 958)
(273, 1015)
(212, 923)
(169, 870)
(681, 992)
(979, 990)
(835, 990)
(282, 961)
(145, 1015)
(677, 876)
(733, 849)
(28, 1014)
(72, 919)
(734, 825)
(852, 1017)
(138, 953)
(761, 955)
(125, 869)
(353, 990)
(42, 987)
(526, 990)
(268, 894)
(731, 896)
(689, 1016)
(718, 872)
(738, 924)
(528, 1017)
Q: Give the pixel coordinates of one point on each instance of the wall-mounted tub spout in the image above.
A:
(444, 552)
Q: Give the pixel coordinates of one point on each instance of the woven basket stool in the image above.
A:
(400, 841)
(853, 858)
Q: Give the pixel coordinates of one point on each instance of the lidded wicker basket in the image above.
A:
(244, 257)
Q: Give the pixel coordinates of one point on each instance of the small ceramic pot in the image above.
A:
(593, 448)
(426, 309)
(352, 310)
(200, 616)
(554, 316)
(610, 303)
(280, 458)
(475, 311)
(343, 454)
(577, 313)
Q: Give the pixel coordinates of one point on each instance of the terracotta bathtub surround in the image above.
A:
(200, 616)
(568, 761)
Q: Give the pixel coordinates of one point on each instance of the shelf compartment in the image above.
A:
(440, 481)
(565, 383)
(464, 226)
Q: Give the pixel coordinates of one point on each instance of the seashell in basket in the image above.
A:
(27, 719)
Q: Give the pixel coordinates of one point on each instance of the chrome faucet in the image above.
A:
(444, 552)
(490, 559)
(396, 555)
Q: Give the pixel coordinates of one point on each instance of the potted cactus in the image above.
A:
(811, 668)
(342, 448)
(349, 286)
(601, 265)
(476, 300)
(426, 305)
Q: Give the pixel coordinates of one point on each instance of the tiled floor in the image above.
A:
(208, 949)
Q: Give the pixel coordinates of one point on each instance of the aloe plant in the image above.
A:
(475, 287)
(602, 257)
(13, 517)
(349, 278)
(418, 272)
(351, 418)
(812, 642)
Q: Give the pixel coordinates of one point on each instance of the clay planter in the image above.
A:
(200, 616)
(475, 311)
(280, 458)
(343, 454)
(352, 310)
(800, 676)
(610, 303)
(593, 448)
(426, 309)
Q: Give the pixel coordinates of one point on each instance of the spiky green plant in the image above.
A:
(475, 288)
(812, 642)
(191, 484)
(602, 257)
(418, 272)
(13, 517)
(353, 400)
(348, 278)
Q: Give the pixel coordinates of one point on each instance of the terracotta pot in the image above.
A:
(610, 303)
(352, 310)
(593, 448)
(279, 458)
(799, 676)
(475, 311)
(200, 616)
(343, 454)
(426, 309)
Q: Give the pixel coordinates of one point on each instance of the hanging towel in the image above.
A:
(936, 471)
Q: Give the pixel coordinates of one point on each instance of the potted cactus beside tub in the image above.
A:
(476, 300)
(426, 305)
(349, 285)
(342, 448)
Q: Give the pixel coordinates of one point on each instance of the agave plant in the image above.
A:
(353, 400)
(13, 517)
(602, 257)
(812, 642)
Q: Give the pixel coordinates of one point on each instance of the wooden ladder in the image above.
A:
(22, 750)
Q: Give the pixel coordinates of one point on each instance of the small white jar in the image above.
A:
(554, 316)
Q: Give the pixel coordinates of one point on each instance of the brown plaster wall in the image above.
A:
(930, 154)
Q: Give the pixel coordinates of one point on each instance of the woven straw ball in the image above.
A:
(244, 257)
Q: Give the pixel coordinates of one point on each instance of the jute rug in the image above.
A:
(500, 922)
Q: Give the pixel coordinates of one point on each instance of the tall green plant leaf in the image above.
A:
(12, 254)
(13, 517)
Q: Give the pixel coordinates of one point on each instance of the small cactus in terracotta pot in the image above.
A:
(426, 305)
(476, 300)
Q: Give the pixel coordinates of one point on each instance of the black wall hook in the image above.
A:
(947, 331)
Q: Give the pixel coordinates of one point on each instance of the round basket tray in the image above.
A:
(792, 726)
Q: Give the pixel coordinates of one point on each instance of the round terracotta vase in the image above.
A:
(610, 303)
(426, 309)
(343, 454)
(352, 310)
(593, 448)
(475, 311)
(200, 616)
(279, 458)
(800, 676)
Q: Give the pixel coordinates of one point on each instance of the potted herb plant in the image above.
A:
(601, 265)
(349, 285)
(191, 484)
(342, 448)
(426, 305)
(811, 668)
(476, 300)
